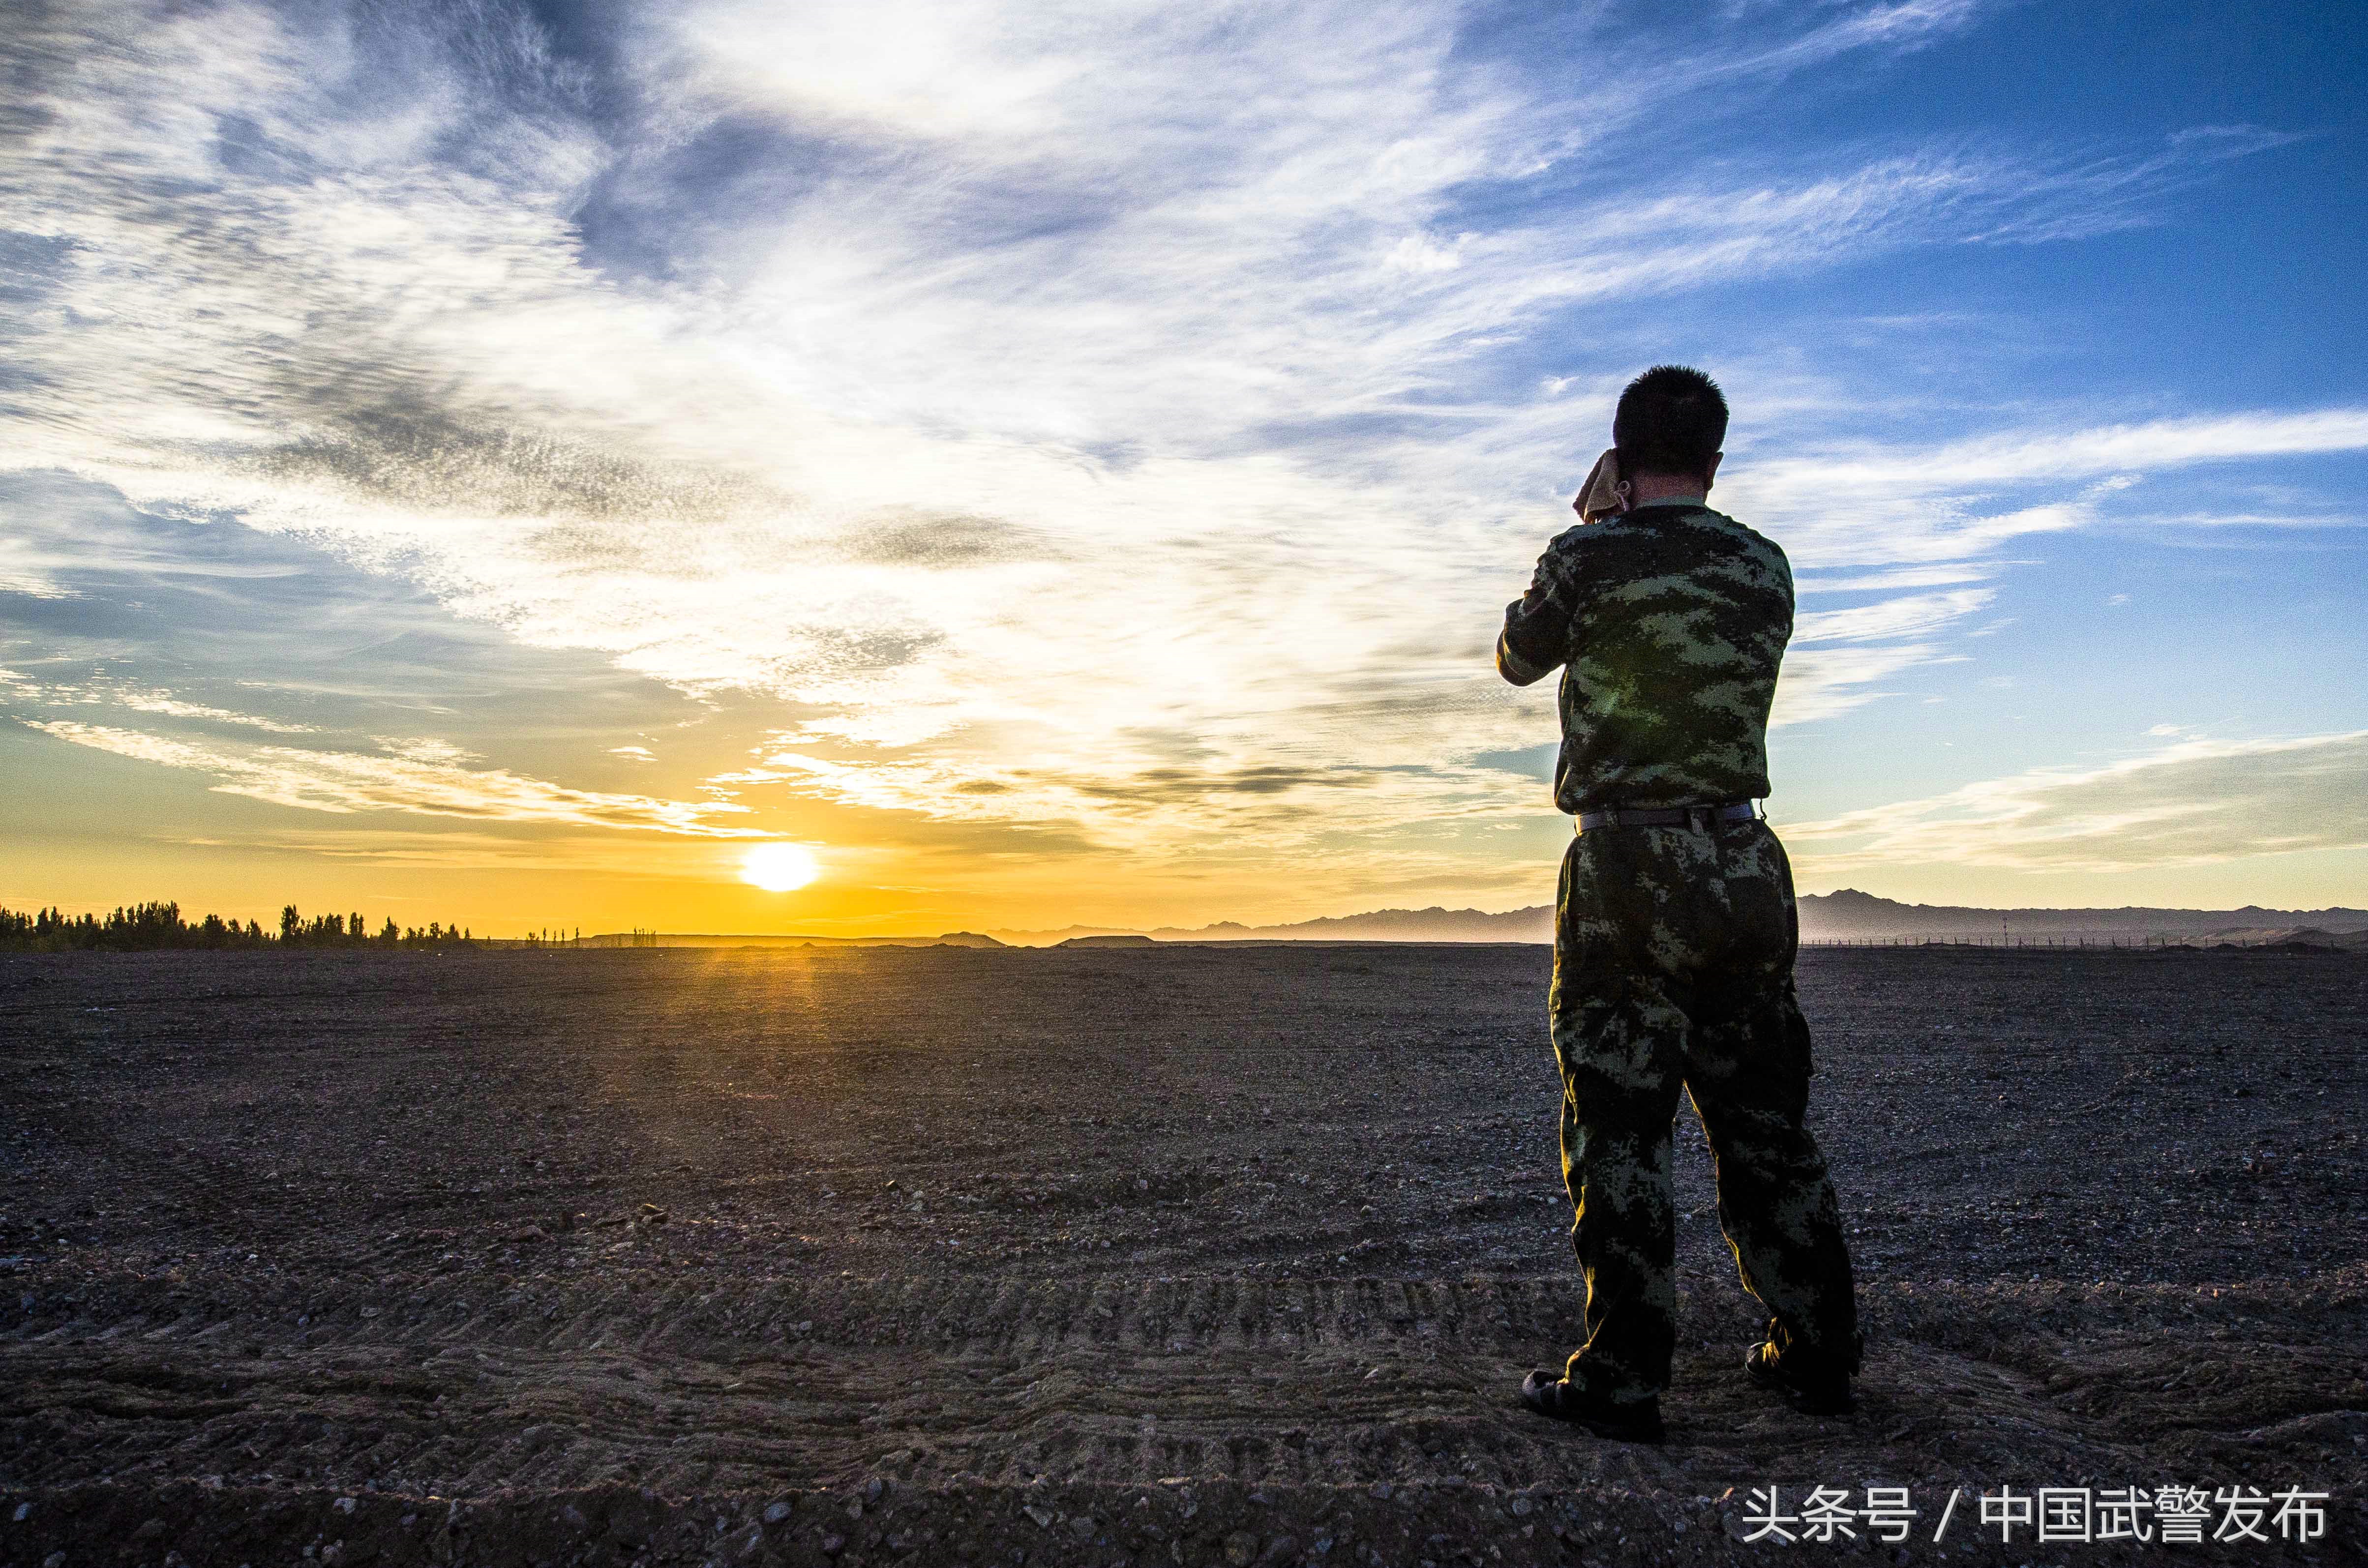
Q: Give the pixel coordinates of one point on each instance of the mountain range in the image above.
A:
(1847, 915)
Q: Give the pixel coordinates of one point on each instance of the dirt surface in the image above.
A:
(1180, 1256)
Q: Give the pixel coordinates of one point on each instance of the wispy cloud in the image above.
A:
(1906, 616)
(102, 692)
(502, 847)
(1809, 583)
(979, 381)
(1953, 502)
(20, 575)
(1823, 683)
(425, 783)
(2191, 803)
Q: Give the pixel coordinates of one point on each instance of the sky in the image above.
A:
(1066, 462)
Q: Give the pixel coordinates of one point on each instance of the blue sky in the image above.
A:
(1067, 462)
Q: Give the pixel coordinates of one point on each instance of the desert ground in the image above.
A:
(1189, 1254)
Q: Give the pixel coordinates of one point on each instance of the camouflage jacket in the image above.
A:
(1669, 622)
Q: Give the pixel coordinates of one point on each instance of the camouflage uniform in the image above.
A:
(1674, 945)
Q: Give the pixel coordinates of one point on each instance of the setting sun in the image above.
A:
(778, 868)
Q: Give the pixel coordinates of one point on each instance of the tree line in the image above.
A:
(145, 927)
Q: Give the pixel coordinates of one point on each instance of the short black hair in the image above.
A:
(1671, 419)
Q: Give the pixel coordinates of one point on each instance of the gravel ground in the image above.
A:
(1187, 1255)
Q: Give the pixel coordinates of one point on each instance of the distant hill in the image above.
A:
(1433, 924)
(2286, 936)
(1848, 916)
(1845, 916)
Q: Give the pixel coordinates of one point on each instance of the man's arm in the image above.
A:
(1537, 627)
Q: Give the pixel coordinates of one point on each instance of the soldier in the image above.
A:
(1674, 922)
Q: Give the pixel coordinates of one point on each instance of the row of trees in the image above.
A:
(146, 927)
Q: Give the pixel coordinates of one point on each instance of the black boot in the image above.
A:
(1550, 1395)
(1810, 1390)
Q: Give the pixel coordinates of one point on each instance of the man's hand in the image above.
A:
(1532, 643)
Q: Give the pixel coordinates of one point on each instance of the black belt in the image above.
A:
(1668, 816)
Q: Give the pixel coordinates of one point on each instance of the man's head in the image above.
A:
(1670, 423)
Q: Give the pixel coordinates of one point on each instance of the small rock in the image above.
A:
(1382, 1490)
(1280, 1548)
(1043, 1516)
(343, 1505)
(776, 1512)
(1241, 1547)
(24, 1512)
(872, 1488)
(832, 1545)
(54, 1560)
(1083, 1526)
(150, 1530)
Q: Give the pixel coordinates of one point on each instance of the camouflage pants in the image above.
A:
(1673, 964)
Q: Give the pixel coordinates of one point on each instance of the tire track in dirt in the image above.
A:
(670, 1239)
(701, 1385)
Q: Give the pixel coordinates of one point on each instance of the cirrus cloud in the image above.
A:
(423, 779)
(2195, 802)
(983, 384)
